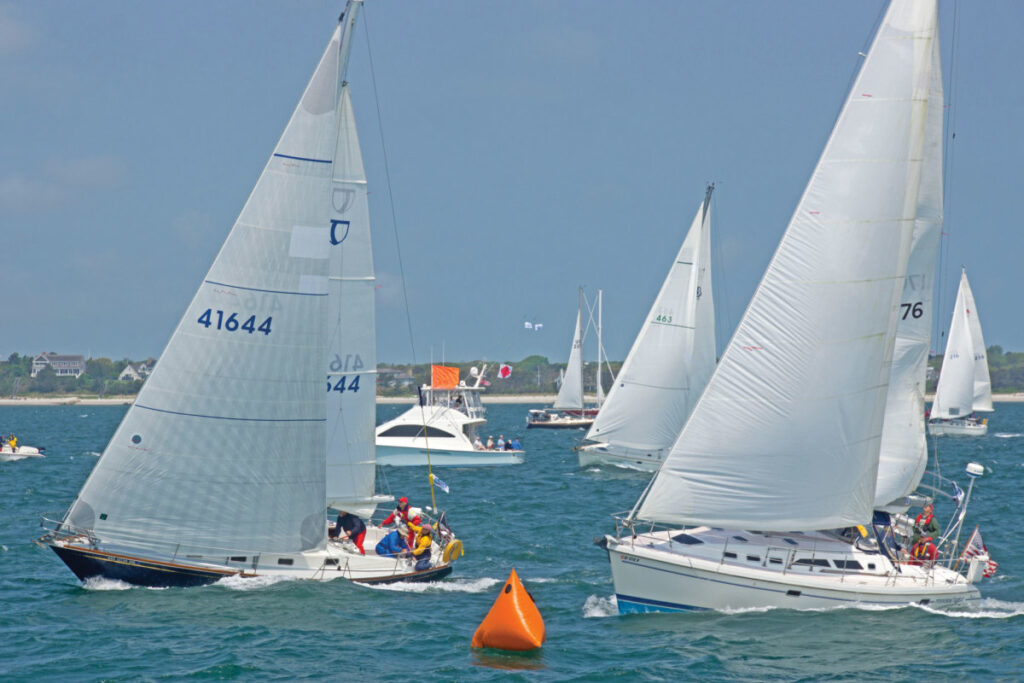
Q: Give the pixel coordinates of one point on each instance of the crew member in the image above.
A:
(925, 524)
(421, 551)
(401, 513)
(349, 527)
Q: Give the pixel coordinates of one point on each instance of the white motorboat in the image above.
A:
(667, 368)
(569, 410)
(223, 464)
(964, 388)
(787, 437)
(441, 430)
(8, 454)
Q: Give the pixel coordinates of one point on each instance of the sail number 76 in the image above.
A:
(915, 309)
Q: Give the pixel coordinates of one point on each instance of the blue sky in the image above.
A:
(533, 147)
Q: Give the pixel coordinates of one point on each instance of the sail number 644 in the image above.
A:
(231, 322)
(915, 309)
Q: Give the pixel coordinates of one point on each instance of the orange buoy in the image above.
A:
(514, 622)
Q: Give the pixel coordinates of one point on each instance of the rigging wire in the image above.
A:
(949, 136)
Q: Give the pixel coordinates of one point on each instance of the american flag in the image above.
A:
(975, 546)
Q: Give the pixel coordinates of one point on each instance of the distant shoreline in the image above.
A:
(408, 400)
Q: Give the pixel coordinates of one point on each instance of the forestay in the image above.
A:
(570, 394)
(786, 435)
(904, 450)
(351, 330)
(673, 355)
(224, 447)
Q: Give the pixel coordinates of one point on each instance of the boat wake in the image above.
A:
(454, 586)
(99, 583)
(239, 583)
(596, 607)
(92, 453)
(1008, 435)
(988, 608)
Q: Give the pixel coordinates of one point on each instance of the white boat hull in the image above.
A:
(958, 428)
(650, 580)
(413, 456)
(20, 453)
(605, 454)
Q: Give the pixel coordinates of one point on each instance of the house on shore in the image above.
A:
(62, 366)
(135, 372)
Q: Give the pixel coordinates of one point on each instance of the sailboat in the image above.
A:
(569, 410)
(964, 387)
(441, 431)
(667, 368)
(768, 496)
(226, 463)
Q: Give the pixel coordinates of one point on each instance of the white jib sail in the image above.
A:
(786, 435)
(954, 395)
(904, 451)
(224, 448)
(982, 382)
(570, 394)
(673, 355)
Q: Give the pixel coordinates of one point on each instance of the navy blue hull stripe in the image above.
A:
(219, 417)
(268, 291)
(315, 161)
(659, 603)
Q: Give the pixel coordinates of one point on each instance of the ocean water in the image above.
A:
(539, 518)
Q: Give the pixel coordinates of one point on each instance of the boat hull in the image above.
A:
(400, 456)
(568, 423)
(20, 453)
(644, 583)
(603, 454)
(957, 428)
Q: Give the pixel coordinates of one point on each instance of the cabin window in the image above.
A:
(687, 539)
(848, 564)
(753, 558)
(789, 541)
(812, 563)
(417, 430)
(239, 558)
(775, 560)
(103, 515)
(331, 562)
(731, 556)
(285, 560)
(740, 539)
(871, 565)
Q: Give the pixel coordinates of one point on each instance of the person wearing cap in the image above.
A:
(925, 525)
(349, 527)
(401, 513)
(421, 550)
(392, 545)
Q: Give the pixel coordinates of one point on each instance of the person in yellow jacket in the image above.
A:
(421, 550)
(13, 440)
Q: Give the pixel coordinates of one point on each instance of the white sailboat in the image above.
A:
(964, 387)
(786, 437)
(569, 410)
(667, 368)
(223, 464)
(441, 431)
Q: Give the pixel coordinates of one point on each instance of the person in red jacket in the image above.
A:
(401, 513)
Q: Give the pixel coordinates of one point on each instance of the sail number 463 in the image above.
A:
(915, 309)
(663, 319)
(231, 322)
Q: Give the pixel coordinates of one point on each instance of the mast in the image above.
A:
(600, 389)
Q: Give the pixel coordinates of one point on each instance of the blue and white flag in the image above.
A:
(958, 494)
(440, 484)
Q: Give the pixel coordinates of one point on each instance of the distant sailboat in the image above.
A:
(964, 387)
(231, 454)
(667, 368)
(786, 437)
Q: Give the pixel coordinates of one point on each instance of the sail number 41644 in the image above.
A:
(232, 322)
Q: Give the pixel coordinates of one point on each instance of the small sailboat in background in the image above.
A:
(569, 410)
(964, 388)
(667, 368)
(786, 438)
(230, 457)
(442, 430)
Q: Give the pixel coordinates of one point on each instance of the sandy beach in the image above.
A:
(509, 398)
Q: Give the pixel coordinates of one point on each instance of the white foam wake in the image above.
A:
(596, 607)
(454, 586)
(1007, 435)
(238, 583)
(99, 583)
(988, 608)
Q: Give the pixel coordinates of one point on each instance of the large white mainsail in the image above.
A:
(954, 395)
(352, 353)
(786, 435)
(904, 451)
(673, 355)
(982, 402)
(224, 448)
(570, 394)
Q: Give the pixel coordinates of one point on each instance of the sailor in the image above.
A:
(13, 441)
(421, 551)
(925, 524)
(924, 551)
(392, 545)
(349, 527)
(401, 513)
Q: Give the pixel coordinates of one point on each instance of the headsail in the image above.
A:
(570, 394)
(982, 402)
(673, 355)
(786, 435)
(954, 395)
(224, 448)
(904, 451)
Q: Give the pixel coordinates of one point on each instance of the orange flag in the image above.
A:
(444, 377)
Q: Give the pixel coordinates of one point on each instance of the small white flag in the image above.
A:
(528, 325)
(538, 327)
(440, 484)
